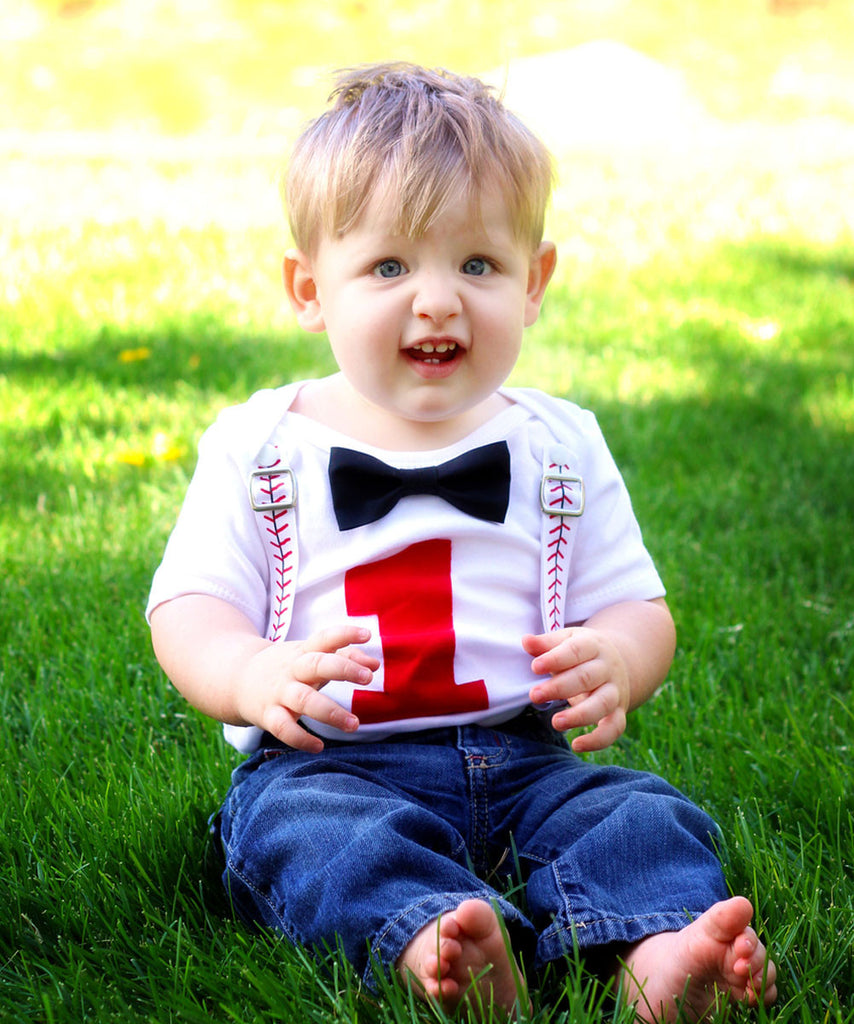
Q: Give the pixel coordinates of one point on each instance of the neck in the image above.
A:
(333, 403)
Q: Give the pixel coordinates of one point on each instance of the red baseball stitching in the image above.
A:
(279, 531)
(560, 497)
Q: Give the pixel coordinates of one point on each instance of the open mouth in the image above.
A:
(434, 351)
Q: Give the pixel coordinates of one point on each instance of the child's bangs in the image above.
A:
(417, 194)
(424, 191)
(415, 187)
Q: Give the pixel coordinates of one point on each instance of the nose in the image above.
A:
(436, 298)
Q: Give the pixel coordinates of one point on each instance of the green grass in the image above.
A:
(704, 308)
(741, 470)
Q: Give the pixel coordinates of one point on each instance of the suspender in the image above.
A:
(562, 501)
(273, 496)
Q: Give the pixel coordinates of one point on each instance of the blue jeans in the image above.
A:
(365, 843)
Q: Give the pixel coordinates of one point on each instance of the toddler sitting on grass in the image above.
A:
(400, 586)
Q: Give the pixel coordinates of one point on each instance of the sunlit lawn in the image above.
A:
(704, 308)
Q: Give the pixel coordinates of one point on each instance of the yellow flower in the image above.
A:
(131, 457)
(134, 355)
(162, 449)
(165, 450)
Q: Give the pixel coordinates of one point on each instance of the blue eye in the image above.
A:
(476, 266)
(389, 268)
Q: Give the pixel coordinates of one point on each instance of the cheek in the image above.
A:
(355, 325)
(362, 354)
(367, 321)
(503, 328)
(503, 310)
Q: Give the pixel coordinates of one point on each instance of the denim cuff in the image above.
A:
(561, 939)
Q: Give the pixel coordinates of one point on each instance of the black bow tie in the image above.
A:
(365, 489)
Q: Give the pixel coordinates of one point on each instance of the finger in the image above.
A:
(539, 643)
(573, 650)
(298, 700)
(334, 638)
(606, 733)
(588, 710)
(361, 657)
(282, 724)
(571, 683)
(316, 668)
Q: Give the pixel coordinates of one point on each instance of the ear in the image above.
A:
(301, 289)
(539, 274)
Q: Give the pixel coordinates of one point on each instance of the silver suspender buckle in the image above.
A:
(265, 495)
(573, 494)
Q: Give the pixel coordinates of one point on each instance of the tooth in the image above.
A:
(443, 346)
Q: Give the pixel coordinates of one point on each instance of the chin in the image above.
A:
(431, 417)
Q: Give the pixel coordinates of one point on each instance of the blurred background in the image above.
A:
(180, 110)
(238, 67)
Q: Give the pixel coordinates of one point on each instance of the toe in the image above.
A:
(476, 918)
(449, 927)
(745, 945)
(449, 949)
(730, 918)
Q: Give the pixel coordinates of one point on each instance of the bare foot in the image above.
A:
(462, 957)
(714, 960)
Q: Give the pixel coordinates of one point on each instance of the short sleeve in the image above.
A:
(610, 562)
(215, 547)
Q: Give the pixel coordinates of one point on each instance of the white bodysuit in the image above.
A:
(447, 597)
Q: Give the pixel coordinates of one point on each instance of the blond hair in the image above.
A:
(422, 134)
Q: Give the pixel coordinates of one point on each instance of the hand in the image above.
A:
(588, 671)
(281, 682)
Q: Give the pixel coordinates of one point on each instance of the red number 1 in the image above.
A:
(410, 592)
